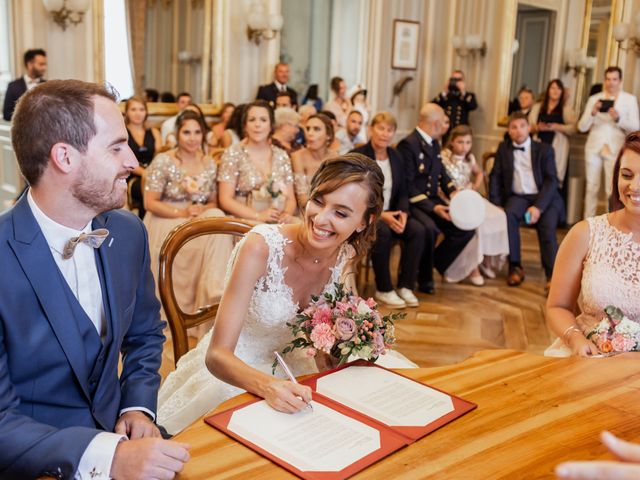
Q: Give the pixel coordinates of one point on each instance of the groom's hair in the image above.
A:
(353, 168)
(56, 111)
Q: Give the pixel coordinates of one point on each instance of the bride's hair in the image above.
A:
(353, 168)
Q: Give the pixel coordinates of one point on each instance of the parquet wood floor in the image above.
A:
(461, 319)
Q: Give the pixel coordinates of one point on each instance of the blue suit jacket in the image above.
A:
(47, 413)
(15, 90)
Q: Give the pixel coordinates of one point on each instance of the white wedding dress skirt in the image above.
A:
(191, 390)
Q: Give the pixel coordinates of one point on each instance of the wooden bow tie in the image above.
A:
(93, 239)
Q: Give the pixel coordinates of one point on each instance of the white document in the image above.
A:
(323, 440)
(389, 398)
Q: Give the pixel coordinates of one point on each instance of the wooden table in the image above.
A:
(533, 412)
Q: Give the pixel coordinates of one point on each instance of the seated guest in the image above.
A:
(425, 175)
(169, 125)
(144, 142)
(306, 161)
(284, 100)
(71, 305)
(394, 222)
(255, 180)
(358, 98)
(490, 245)
(151, 95)
(181, 185)
(219, 128)
(598, 263)
(348, 136)
(339, 105)
(286, 129)
(335, 145)
(171, 140)
(167, 97)
(269, 92)
(524, 182)
(312, 98)
(552, 121)
(233, 133)
(523, 101)
(305, 112)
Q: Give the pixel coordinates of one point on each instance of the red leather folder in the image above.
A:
(391, 438)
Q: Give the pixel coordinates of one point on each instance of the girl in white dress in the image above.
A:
(598, 263)
(490, 246)
(275, 271)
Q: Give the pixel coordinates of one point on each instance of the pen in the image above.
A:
(285, 367)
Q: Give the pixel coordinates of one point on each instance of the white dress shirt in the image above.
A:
(81, 274)
(168, 127)
(427, 138)
(524, 183)
(385, 166)
(603, 130)
(31, 82)
(280, 86)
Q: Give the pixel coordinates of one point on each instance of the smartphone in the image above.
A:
(605, 105)
(527, 218)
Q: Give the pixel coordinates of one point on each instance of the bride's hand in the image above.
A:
(286, 396)
(582, 347)
(325, 362)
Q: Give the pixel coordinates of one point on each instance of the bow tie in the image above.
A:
(93, 239)
(522, 149)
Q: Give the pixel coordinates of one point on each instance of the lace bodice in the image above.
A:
(610, 273)
(165, 176)
(460, 169)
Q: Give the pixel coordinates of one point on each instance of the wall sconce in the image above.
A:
(187, 57)
(66, 12)
(578, 62)
(260, 25)
(469, 45)
(626, 31)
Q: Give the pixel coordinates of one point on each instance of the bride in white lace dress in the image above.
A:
(275, 271)
(600, 260)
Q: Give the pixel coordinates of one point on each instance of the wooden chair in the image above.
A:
(487, 164)
(180, 321)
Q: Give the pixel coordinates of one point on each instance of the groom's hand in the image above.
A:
(148, 458)
(135, 424)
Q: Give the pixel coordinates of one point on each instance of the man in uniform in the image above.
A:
(424, 174)
(456, 101)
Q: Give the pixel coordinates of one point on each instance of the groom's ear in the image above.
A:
(61, 157)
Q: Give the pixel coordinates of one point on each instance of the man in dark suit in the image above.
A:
(35, 62)
(77, 293)
(524, 182)
(425, 173)
(270, 92)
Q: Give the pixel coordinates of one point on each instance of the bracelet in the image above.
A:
(567, 332)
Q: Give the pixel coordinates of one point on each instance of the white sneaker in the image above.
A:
(408, 297)
(477, 280)
(390, 299)
(487, 271)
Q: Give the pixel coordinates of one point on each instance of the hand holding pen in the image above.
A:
(291, 396)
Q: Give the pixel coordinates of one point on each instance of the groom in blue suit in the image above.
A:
(77, 292)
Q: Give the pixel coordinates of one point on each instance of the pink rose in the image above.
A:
(343, 307)
(378, 344)
(310, 352)
(322, 315)
(371, 302)
(345, 328)
(322, 337)
(621, 343)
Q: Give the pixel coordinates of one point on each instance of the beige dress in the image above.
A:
(198, 269)
(237, 168)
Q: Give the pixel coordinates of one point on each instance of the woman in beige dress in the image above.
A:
(255, 180)
(180, 185)
(306, 161)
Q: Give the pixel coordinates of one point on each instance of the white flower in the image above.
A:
(603, 326)
(363, 308)
(628, 327)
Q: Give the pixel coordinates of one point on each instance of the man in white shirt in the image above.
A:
(35, 63)
(524, 182)
(348, 135)
(608, 117)
(77, 293)
(169, 125)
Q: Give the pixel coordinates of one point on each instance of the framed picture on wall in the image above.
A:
(404, 54)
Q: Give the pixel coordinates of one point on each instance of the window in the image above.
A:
(117, 55)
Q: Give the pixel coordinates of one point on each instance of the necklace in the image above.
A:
(316, 261)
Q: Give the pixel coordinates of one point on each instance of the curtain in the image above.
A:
(136, 16)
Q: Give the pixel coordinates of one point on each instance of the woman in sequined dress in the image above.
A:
(306, 161)
(181, 185)
(488, 248)
(255, 180)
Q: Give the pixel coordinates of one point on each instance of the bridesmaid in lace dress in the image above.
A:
(181, 185)
(306, 161)
(251, 166)
(598, 263)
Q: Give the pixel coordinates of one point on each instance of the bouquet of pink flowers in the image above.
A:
(343, 325)
(615, 332)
